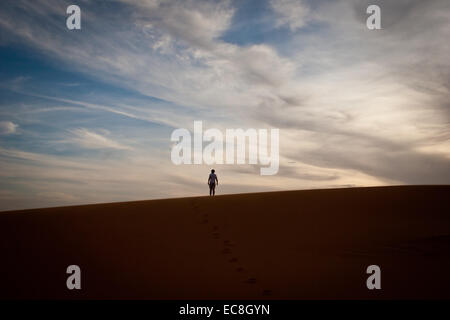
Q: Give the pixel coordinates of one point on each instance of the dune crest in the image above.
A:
(311, 244)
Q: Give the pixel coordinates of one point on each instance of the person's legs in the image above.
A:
(212, 188)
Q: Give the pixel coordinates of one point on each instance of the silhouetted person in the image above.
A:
(212, 183)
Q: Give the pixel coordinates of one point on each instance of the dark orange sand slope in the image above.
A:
(278, 245)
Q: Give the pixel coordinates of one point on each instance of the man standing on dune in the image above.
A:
(212, 183)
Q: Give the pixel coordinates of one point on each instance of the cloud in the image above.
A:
(7, 127)
(293, 13)
(196, 23)
(92, 140)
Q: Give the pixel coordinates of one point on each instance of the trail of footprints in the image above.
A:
(227, 250)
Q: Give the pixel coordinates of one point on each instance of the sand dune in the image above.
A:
(313, 244)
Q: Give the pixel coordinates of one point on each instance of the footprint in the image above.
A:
(216, 235)
(228, 243)
(226, 251)
(215, 228)
(232, 260)
(267, 292)
(251, 281)
(195, 204)
(203, 218)
(239, 269)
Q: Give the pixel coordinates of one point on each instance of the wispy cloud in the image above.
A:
(7, 127)
(92, 140)
(293, 13)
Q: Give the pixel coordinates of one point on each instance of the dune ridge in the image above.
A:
(308, 244)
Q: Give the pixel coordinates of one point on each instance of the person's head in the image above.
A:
(212, 170)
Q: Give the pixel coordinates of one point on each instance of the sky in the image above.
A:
(86, 115)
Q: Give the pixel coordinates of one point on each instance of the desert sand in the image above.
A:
(311, 244)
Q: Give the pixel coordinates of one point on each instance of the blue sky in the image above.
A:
(86, 115)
